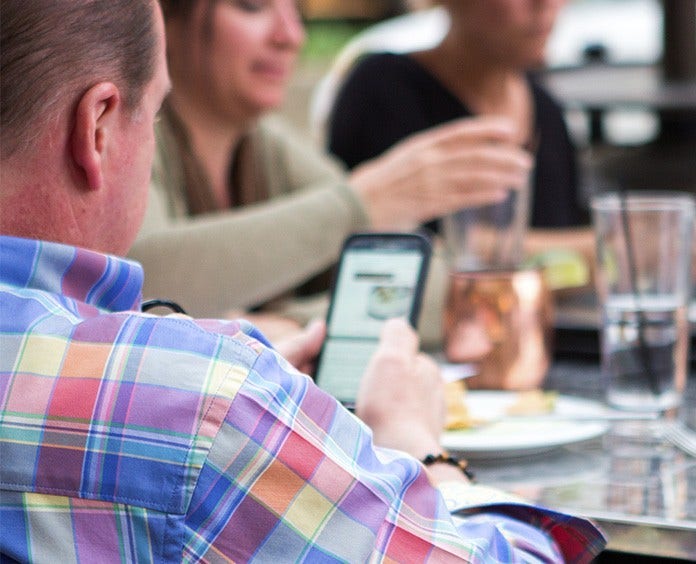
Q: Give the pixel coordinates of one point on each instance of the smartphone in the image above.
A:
(379, 276)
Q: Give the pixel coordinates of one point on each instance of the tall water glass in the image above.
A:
(643, 281)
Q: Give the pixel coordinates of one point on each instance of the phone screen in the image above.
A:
(379, 277)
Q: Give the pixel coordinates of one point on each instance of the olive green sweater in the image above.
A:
(245, 256)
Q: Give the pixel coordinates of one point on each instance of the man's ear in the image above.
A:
(95, 115)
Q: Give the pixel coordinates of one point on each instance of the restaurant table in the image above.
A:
(641, 491)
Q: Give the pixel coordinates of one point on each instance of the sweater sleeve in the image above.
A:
(239, 258)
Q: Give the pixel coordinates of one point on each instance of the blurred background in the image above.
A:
(624, 70)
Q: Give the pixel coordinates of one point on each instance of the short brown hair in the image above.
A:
(52, 49)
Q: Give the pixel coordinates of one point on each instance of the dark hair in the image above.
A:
(177, 8)
(181, 13)
(182, 10)
(57, 48)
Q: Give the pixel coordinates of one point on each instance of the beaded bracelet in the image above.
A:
(446, 458)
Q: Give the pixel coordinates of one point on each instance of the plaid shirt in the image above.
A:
(130, 437)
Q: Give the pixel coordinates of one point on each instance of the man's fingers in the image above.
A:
(303, 347)
(397, 334)
(314, 334)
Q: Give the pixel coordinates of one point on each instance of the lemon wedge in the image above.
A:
(562, 268)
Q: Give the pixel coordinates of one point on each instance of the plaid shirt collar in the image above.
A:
(105, 282)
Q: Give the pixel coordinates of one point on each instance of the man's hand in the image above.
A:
(401, 395)
(302, 347)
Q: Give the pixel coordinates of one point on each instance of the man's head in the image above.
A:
(81, 83)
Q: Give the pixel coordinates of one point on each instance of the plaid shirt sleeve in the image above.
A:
(275, 470)
(304, 471)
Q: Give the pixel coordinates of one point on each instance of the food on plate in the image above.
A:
(533, 402)
(458, 416)
(527, 403)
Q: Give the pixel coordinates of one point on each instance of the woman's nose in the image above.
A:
(288, 25)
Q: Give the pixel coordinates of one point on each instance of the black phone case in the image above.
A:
(380, 241)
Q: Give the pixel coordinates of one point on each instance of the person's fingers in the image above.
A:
(470, 162)
(422, 398)
(477, 179)
(505, 158)
(398, 335)
(303, 347)
(312, 337)
(465, 184)
(429, 369)
(435, 388)
(489, 129)
(458, 200)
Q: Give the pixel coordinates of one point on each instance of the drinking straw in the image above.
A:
(643, 349)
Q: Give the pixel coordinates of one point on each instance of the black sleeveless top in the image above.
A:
(388, 97)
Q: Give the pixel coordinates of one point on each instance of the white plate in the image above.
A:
(518, 436)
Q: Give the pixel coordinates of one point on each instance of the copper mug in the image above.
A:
(501, 321)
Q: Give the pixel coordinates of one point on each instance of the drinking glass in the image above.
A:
(489, 236)
(643, 282)
(497, 316)
(501, 322)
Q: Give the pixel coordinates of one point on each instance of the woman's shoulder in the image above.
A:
(385, 60)
(543, 98)
(386, 66)
(389, 79)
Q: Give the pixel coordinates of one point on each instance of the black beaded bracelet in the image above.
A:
(446, 458)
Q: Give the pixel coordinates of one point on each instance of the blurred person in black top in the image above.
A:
(483, 67)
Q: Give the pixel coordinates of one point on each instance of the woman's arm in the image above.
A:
(239, 258)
